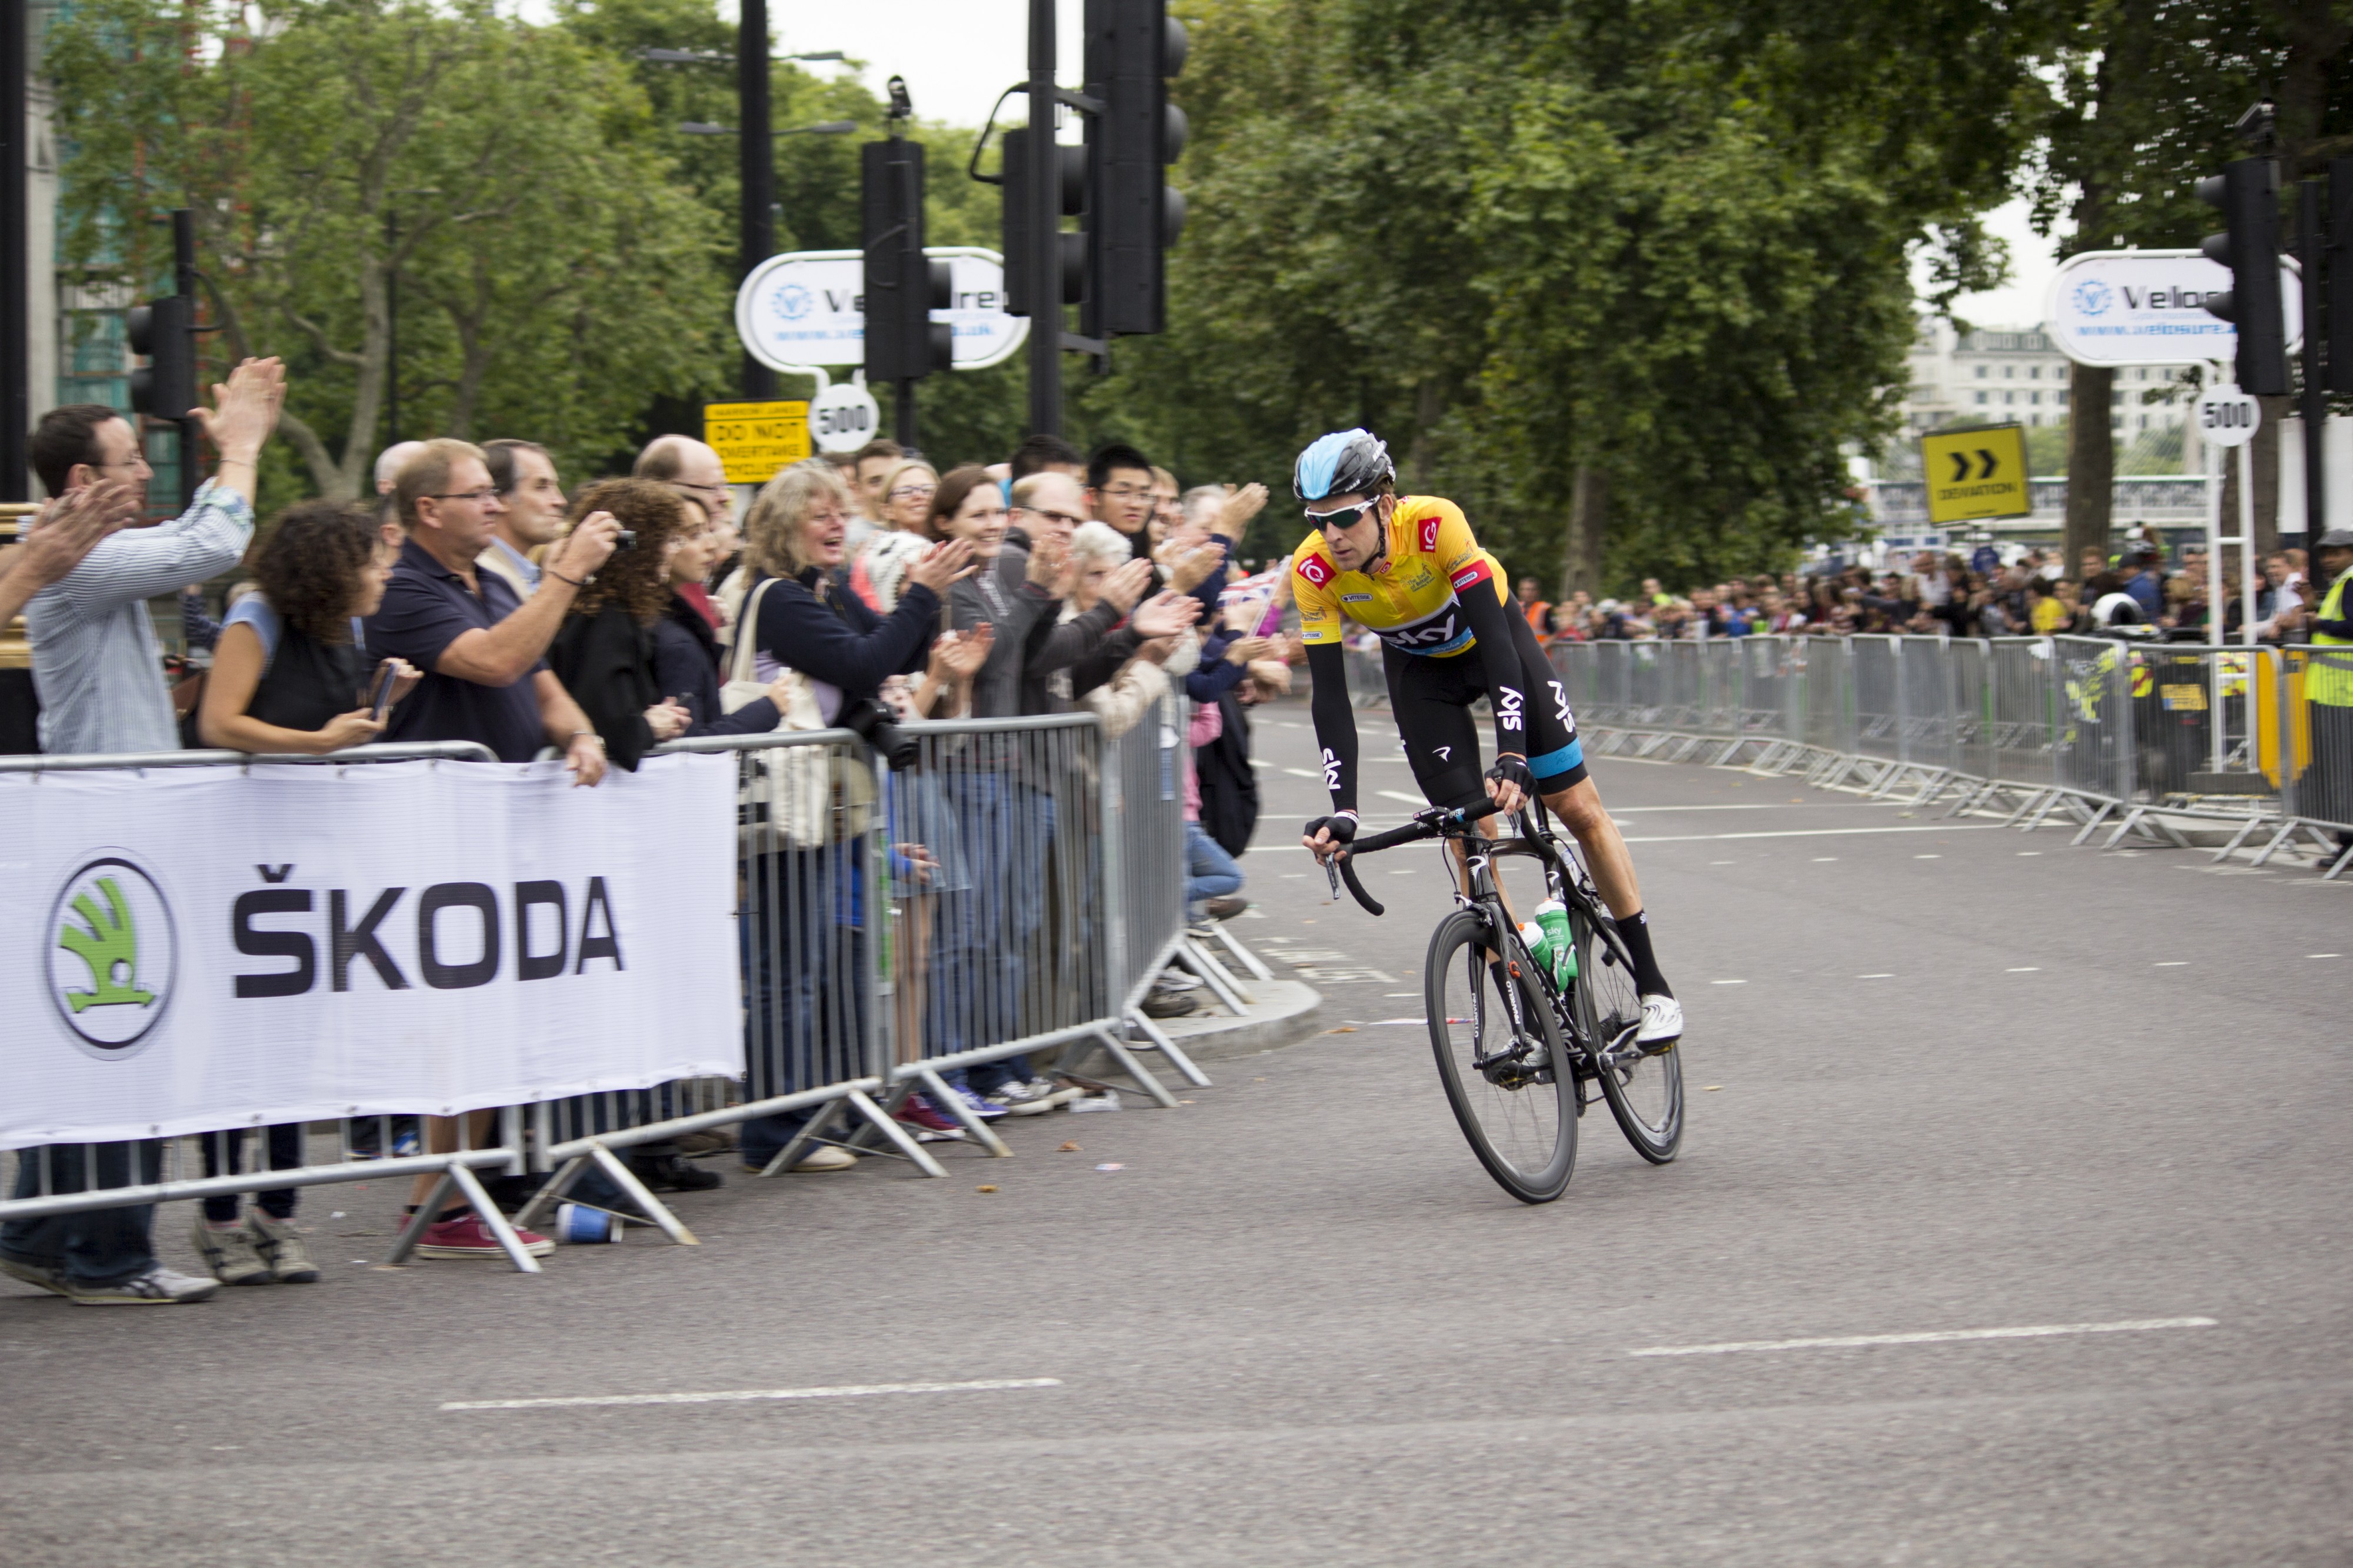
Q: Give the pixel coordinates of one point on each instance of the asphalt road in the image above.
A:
(1943, 1078)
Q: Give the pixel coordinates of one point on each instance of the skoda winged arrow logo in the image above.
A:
(112, 956)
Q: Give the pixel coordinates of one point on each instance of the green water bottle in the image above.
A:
(1553, 916)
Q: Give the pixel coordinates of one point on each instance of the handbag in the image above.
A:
(790, 797)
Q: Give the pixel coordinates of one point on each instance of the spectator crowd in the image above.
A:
(1932, 594)
(473, 600)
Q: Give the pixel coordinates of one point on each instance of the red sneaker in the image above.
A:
(468, 1237)
(931, 1123)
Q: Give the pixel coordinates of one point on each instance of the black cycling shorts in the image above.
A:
(1431, 700)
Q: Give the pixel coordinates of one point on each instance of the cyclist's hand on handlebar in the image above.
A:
(1509, 782)
(1327, 835)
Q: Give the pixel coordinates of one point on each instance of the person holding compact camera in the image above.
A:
(604, 652)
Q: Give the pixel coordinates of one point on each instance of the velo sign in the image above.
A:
(2229, 417)
(1976, 473)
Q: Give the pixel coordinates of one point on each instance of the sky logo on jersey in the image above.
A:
(1429, 527)
(1315, 570)
(1507, 710)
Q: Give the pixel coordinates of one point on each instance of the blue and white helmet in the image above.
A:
(1345, 462)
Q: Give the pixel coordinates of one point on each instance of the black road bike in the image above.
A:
(1521, 1054)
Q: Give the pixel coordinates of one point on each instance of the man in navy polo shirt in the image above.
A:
(485, 680)
(479, 645)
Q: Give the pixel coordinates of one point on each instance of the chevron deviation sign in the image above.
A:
(1976, 473)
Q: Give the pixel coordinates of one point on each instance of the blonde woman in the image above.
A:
(882, 562)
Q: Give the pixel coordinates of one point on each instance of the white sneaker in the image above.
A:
(156, 1287)
(1662, 1023)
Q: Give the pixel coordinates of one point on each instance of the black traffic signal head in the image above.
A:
(1132, 47)
(164, 330)
(2247, 192)
(902, 287)
(1071, 164)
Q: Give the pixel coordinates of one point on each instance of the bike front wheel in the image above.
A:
(1504, 1069)
(1645, 1092)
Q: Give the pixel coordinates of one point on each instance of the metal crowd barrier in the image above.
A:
(51, 1182)
(2137, 737)
(1030, 879)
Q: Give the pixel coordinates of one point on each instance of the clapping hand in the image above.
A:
(943, 564)
(70, 527)
(1127, 584)
(958, 656)
(1240, 507)
(1164, 616)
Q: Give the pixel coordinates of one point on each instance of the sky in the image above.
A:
(958, 55)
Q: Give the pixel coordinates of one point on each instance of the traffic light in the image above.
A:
(164, 330)
(1071, 161)
(903, 286)
(2247, 190)
(1132, 47)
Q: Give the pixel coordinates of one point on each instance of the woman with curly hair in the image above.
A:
(290, 669)
(287, 676)
(604, 654)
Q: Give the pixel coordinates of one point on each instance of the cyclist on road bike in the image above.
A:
(1408, 568)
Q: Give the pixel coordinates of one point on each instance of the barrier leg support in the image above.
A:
(2098, 817)
(1250, 960)
(637, 1192)
(406, 1242)
(1213, 975)
(551, 1192)
(1169, 1051)
(2237, 839)
(2339, 868)
(1135, 1069)
(509, 1242)
(974, 1128)
(881, 1121)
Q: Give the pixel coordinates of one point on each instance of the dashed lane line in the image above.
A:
(745, 1396)
(1937, 1336)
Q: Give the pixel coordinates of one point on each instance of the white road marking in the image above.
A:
(2324, 956)
(1813, 833)
(1743, 805)
(2171, 963)
(1927, 856)
(1727, 983)
(741, 1395)
(2028, 853)
(1394, 794)
(1824, 859)
(2030, 969)
(1724, 862)
(1301, 774)
(2039, 1330)
(1875, 977)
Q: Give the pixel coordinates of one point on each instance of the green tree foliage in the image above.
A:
(552, 272)
(1647, 262)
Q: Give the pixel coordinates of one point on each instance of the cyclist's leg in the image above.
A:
(1557, 759)
(1431, 700)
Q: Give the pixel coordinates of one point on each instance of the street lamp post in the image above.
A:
(756, 159)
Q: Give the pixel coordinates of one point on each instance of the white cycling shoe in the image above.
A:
(1662, 1023)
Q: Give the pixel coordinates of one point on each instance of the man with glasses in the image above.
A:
(100, 680)
(1119, 491)
(1408, 568)
(478, 641)
(691, 468)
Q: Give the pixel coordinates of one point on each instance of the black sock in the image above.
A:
(1634, 930)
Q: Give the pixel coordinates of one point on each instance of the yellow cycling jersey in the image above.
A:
(1411, 597)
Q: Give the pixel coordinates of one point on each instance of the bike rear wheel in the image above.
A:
(1510, 1087)
(1645, 1092)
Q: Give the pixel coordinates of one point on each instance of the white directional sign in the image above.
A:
(2229, 417)
(2148, 307)
(806, 310)
(843, 417)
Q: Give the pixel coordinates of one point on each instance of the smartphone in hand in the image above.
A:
(380, 699)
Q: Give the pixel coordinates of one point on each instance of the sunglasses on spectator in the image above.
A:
(1345, 517)
(915, 493)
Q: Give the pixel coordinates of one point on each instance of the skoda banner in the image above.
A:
(206, 948)
(2148, 307)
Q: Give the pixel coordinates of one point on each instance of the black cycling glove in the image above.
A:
(1343, 827)
(1511, 769)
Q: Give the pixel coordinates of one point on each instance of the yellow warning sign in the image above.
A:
(1976, 473)
(755, 440)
